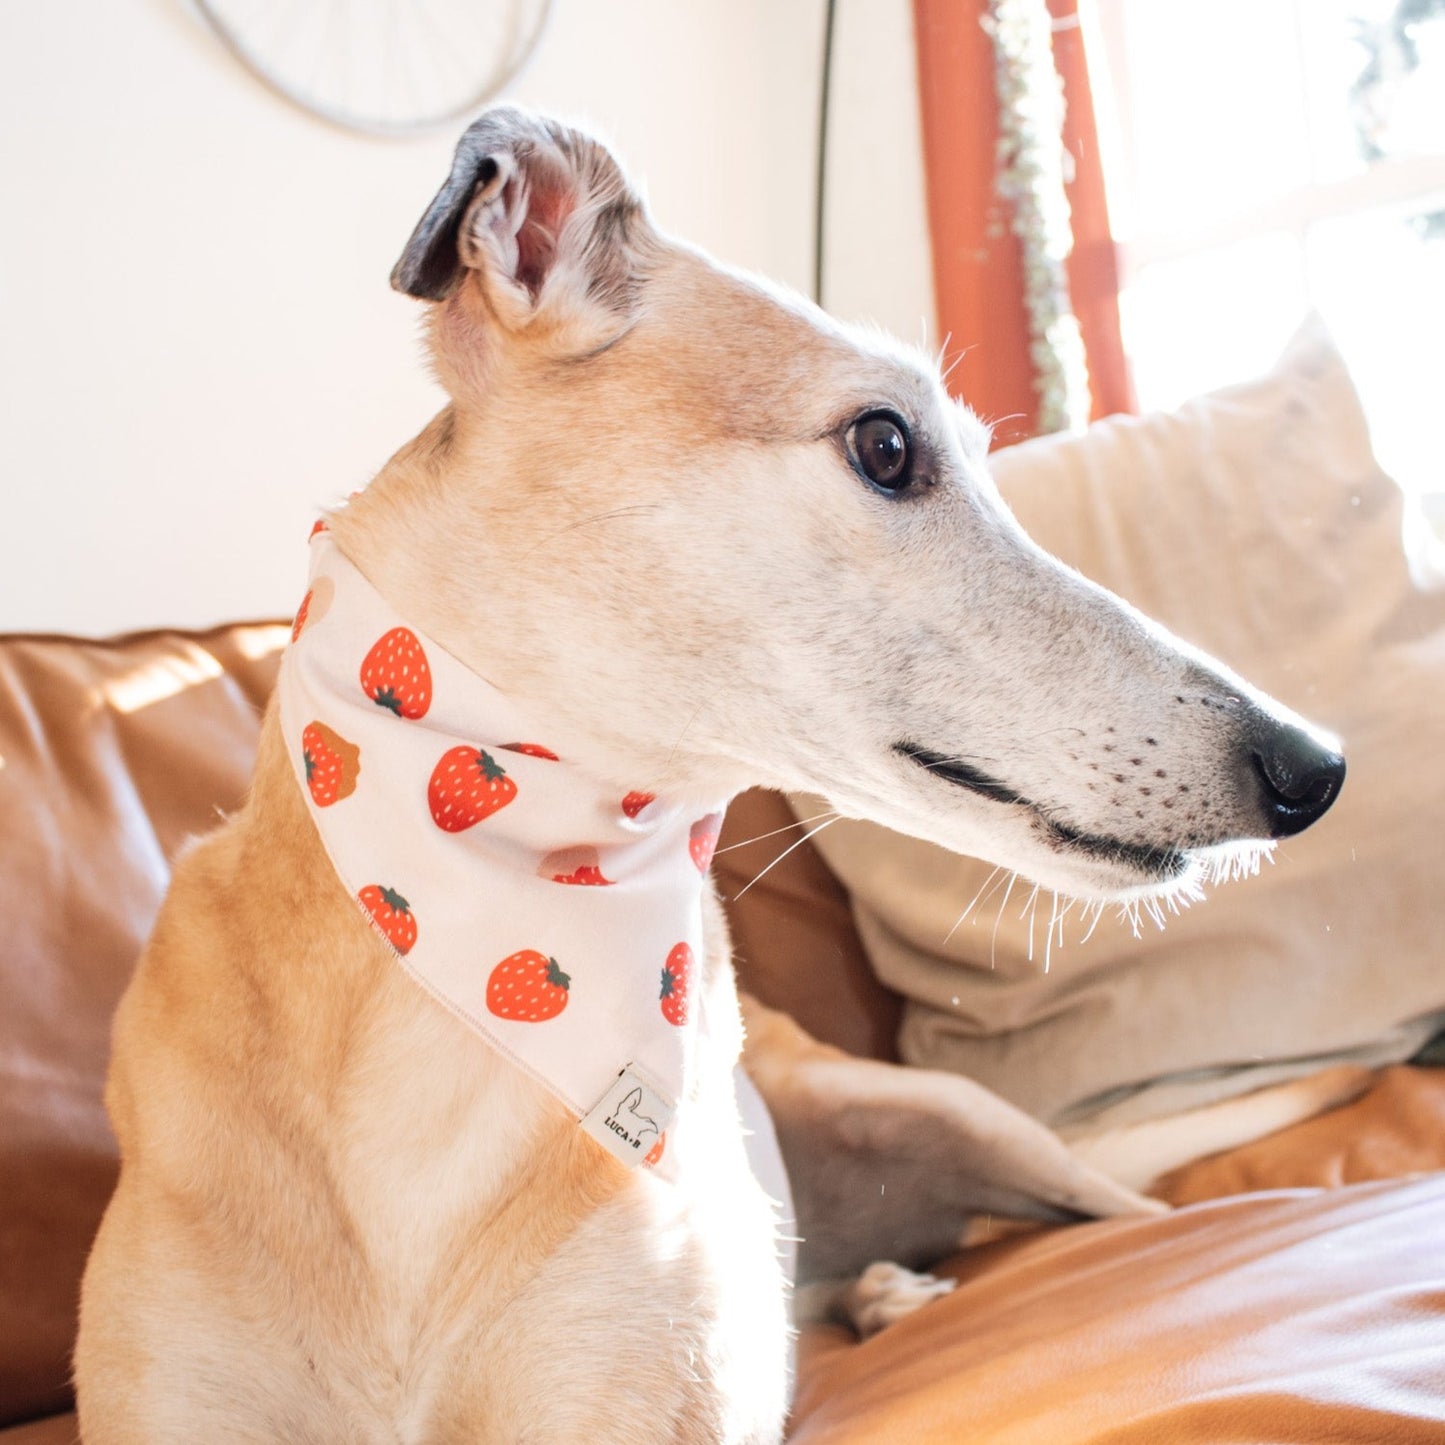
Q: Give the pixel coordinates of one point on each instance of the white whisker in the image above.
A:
(972, 904)
(1222, 865)
(634, 509)
(1069, 905)
(786, 828)
(1031, 907)
(687, 728)
(1129, 913)
(1003, 903)
(812, 833)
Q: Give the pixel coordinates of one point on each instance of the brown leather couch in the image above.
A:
(1297, 1295)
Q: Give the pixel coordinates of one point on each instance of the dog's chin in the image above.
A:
(1113, 864)
(1101, 872)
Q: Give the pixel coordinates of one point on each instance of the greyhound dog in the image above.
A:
(677, 533)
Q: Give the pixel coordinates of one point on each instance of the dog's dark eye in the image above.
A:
(879, 443)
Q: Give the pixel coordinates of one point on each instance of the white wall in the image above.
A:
(198, 344)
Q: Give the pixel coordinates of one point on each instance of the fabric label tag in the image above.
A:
(630, 1118)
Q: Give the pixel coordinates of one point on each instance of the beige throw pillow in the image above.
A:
(1256, 524)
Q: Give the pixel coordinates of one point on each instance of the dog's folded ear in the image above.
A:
(539, 213)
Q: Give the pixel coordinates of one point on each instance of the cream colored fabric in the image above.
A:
(1255, 523)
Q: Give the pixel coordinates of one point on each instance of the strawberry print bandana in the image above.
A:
(559, 918)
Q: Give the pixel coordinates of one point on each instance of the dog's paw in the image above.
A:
(884, 1293)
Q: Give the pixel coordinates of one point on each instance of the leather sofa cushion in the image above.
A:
(112, 754)
(53, 1430)
(1285, 1318)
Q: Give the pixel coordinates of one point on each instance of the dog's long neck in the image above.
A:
(448, 537)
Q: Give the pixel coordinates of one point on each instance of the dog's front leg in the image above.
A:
(892, 1163)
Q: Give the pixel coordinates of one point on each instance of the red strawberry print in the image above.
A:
(634, 803)
(676, 980)
(332, 764)
(587, 873)
(391, 913)
(301, 612)
(318, 526)
(533, 750)
(655, 1153)
(466, 786)
(574, 865)
(395, 674)
(529, 987)
(702, 841)
(314, 605)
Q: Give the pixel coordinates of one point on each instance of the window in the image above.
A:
(1269, 156)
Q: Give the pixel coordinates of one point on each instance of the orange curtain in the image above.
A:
(977, 266)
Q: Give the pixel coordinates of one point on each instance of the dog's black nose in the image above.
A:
(1300, 778)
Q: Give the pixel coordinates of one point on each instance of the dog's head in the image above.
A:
(723, 539)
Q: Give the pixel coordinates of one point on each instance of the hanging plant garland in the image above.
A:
(1031, 159)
